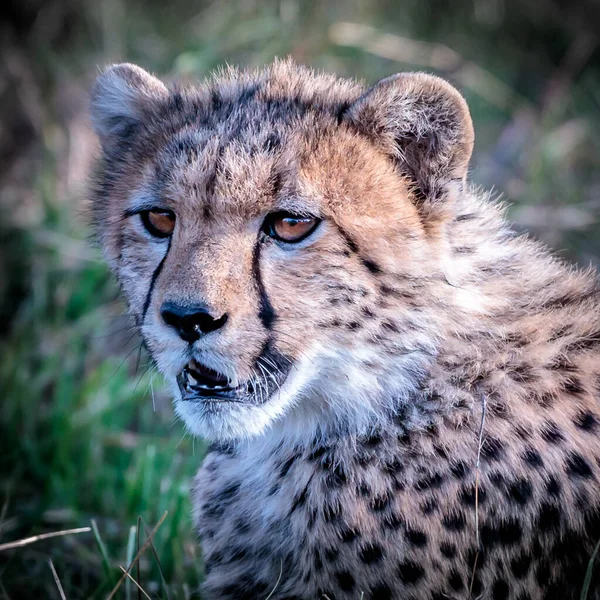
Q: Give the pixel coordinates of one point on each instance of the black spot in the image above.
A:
(317, 453)
(410, 572)
(500, 590)
(542, 574)
(448, 550)
(459, 469)
(238, 553)
(228, 493)
(348, 534)
(532, 457)
(353, 325)
(491, 449)
(287, 465)
(389, 326)
(519, 491)
(299, 500)
(317, 561)
(429, 506)
(371, 266)
(373, 440)
(476, 587)
(392, 467)
(506, 533)
(331, 554)
(331, 511)
(224, 448)
(573, 385)
(454, 522)
(434, 480)
(455, 581)
(213, 511)
(520, 565)
(586, 421)
(469, 495)
(440, 451)
(551, 433)
(367, 312)
(242, 526)
(465, 217)
(404, 438)
(577, 466)
(523, 432)
(380, 503)
(381, 591)
(338, 477)
(371, 554)
(416, 537)
(553, 486)
(345, 580)
(364, 489)
(549, 517)
(393, 522)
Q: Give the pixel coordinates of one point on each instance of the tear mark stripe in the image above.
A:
(265, 312)
(155, 276)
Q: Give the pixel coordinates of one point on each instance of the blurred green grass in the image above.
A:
(79, 439)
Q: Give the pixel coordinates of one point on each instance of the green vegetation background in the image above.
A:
(86, 430)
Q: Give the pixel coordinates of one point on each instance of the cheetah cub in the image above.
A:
(403, 394)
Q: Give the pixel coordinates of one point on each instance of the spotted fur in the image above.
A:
(436, 431)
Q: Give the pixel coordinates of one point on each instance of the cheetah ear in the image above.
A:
(424, 123)
(121, 98)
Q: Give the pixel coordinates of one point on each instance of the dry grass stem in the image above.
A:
(42, 536)
(139, 587)
(137, 556)
(59, 587)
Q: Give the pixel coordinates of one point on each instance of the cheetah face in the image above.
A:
(270, 232)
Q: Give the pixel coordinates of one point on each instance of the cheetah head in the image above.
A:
(275, 234)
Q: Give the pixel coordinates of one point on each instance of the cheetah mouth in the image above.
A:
(197, 381)
(200, 383)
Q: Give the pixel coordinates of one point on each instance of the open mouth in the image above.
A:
(198, 381)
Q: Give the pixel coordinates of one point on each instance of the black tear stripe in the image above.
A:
(155, 276)
(265, 312)
(368, 264)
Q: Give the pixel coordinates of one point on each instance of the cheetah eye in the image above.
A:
(159, 223)
(289, 228)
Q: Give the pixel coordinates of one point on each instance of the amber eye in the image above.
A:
(289, 228)
(159, 223)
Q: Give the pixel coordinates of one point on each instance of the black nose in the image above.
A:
(190, 321)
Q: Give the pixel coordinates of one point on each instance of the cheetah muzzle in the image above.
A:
(402, 393)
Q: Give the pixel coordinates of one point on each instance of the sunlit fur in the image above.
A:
(415, 327)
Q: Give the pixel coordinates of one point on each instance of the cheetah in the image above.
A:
(401, 392)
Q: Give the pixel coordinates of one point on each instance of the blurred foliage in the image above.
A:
(79, 439)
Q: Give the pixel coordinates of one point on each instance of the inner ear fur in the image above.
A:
(424, 124)
(123, 96)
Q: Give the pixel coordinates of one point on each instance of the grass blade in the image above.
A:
(103, 553)
(129, 558)
(588, 574)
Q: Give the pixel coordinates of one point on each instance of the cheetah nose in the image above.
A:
(191, 322)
